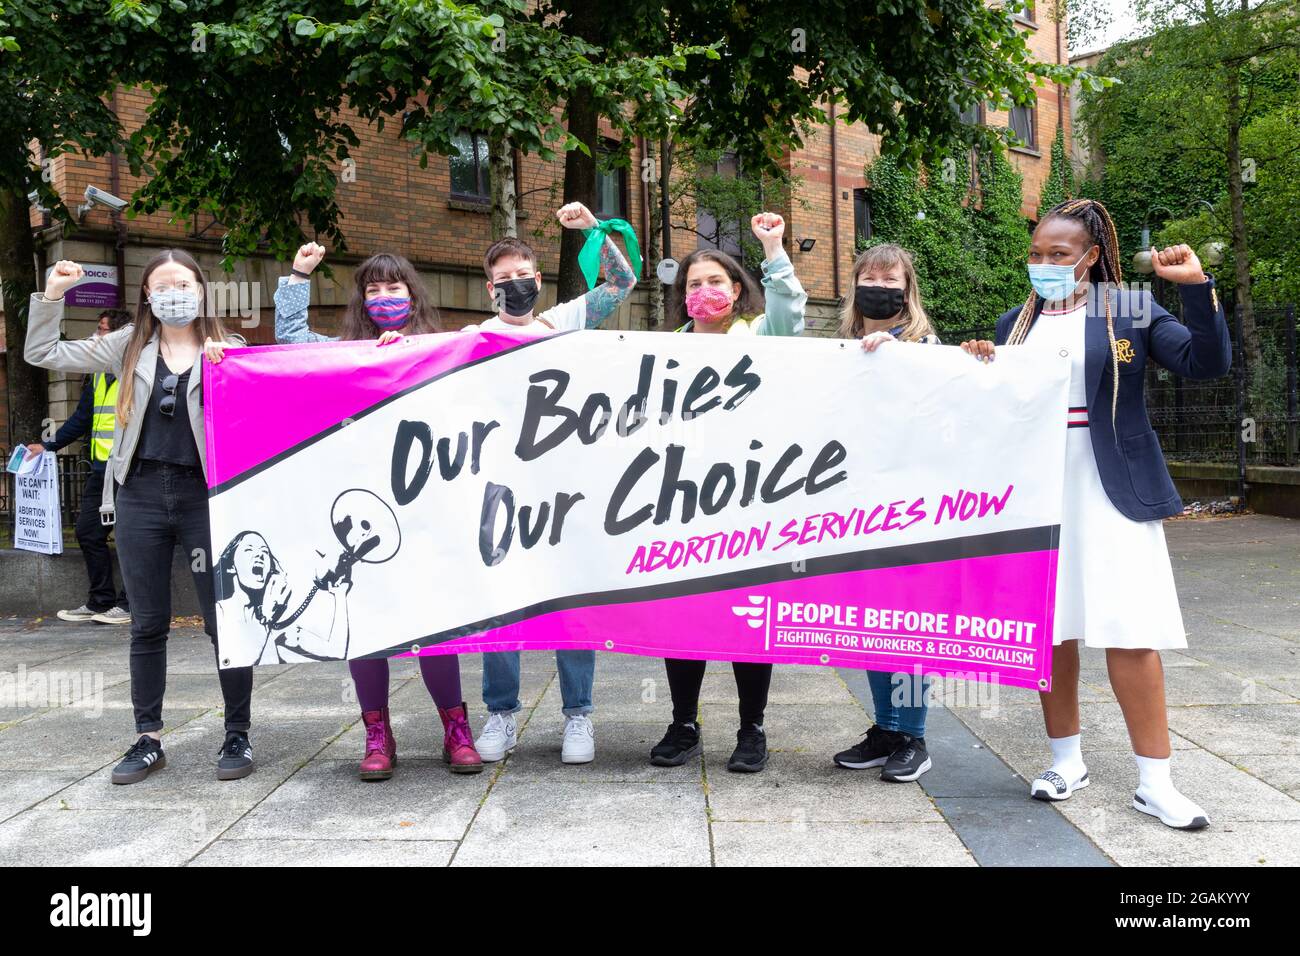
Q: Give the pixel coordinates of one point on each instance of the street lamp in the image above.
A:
(1211, 253)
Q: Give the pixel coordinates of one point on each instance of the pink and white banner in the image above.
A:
(794, 501)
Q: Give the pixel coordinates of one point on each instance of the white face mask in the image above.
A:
(175, 307)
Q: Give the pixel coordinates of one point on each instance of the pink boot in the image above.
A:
(381, 747)
(457, 741)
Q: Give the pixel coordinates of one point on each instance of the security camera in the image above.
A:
(97, 197)
(34, 199)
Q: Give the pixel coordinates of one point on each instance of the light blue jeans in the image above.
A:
(501, 681)
(907, 714)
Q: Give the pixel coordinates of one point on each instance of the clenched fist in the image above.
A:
(575, 215)
(308, 258)
(62, 277)
(1178, 264)
(768, 229)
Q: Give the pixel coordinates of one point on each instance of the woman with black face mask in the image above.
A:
(886, 307)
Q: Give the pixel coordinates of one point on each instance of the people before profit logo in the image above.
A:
(753, 613)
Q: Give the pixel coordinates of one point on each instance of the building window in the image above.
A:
(469, 167)
(611, 188)
(971, 115)
(721, 234)
(1023, 123)
(1024, 12)
(861, 216)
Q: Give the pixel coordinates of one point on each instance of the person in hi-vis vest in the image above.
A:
(94, 418)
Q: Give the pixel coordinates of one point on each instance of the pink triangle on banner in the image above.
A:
(245, 428)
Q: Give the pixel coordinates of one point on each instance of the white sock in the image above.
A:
(1154, 775)
(1067, 757)
(1156, 787)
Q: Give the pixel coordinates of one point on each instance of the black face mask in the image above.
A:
(878, 301)
(517, 295)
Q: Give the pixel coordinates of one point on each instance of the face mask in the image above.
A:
(517, 295)
(175, 307)
(708, 304)
(1054, 283)
(388, 312)
(878, 301)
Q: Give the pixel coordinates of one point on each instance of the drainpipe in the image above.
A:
(835, 205)
(119, 227)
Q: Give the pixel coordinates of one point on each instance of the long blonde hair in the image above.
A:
(916, 324)
(147, 324)
(1094, 217)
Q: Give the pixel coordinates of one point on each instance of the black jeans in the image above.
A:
(92, 536)
(159, 507)
(685, 678)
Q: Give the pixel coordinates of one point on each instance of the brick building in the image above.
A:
(438, 218)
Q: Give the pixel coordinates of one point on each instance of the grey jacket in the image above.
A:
(104, 354)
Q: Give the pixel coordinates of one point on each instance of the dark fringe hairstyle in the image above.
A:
(387, 268)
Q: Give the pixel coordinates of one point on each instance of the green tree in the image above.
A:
(58, 64)
(1172, 131)
(961, 221)
(1059, 184)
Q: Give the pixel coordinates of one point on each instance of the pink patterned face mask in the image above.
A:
(708, 304)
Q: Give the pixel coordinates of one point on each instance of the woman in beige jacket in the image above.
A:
(159, 467)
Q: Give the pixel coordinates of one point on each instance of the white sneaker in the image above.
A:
(1171, 808)
(1050, 785)
(77, 615)
(498, 738)
(579, 740)
(115, 615)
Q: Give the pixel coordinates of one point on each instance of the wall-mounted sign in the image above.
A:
(96, 289)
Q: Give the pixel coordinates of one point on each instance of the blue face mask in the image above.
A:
(1054, 283)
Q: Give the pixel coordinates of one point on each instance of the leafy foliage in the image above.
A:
(961, 221)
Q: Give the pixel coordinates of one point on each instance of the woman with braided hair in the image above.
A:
(1115, 586)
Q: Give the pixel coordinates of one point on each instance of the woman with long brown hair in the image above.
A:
(159, 462)
(716, 295)
(1115, 586)
(388, 300)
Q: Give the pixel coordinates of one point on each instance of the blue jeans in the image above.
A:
(907, 714)
(501, 681)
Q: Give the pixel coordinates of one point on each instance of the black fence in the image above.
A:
(1248, 417)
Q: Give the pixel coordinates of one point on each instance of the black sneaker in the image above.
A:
(144, 757)
(871, 751)
(750, 755)
(235, 758)
(908, 762)
(680, 744)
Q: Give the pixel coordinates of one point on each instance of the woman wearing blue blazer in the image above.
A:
(1115, 586)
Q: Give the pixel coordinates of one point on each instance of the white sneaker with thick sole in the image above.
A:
(499, 737)
(1050, 785)
(1172, 809)
(77, 615)
(579, 740)
(114, 615)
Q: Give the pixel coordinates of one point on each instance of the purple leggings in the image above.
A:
(441, 675)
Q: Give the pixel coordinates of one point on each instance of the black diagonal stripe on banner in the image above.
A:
(262, 466)
(1043, 538)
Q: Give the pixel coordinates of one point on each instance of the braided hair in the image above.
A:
(1101, 228)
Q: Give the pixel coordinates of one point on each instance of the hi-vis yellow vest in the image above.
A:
(104, 419)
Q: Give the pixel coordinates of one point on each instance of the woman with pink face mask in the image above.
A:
(717, 295)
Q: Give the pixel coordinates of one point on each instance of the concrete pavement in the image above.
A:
(1234, 714)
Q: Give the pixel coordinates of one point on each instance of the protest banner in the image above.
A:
(728, 497)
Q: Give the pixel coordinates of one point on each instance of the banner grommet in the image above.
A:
(415, 649)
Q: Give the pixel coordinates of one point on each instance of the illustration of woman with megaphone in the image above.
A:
(253, 592)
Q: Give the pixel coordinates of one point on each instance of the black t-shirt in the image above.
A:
(168, 438)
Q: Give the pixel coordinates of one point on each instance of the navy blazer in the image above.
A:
(1129, 458)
